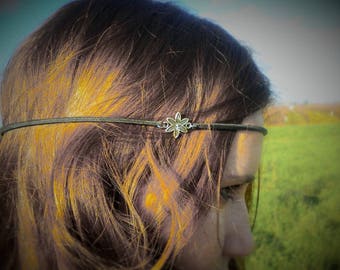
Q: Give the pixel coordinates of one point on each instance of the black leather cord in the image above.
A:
(158, 124)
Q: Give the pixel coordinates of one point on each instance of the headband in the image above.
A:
(175, 125)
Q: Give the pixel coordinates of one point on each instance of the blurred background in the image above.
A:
(297, 45)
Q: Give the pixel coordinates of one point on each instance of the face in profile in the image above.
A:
(225, 232)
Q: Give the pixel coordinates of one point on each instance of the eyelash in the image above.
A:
(228, 193)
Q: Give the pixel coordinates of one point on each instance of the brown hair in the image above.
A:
(92, 196)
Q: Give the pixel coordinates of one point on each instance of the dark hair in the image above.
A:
(86, 196)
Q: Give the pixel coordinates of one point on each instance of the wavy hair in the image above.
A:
(98, 196)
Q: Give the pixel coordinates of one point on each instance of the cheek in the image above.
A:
(204, 250)
(238, 241)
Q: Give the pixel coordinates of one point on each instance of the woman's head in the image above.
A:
(99, 195)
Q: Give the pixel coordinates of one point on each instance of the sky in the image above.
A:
(295, 43)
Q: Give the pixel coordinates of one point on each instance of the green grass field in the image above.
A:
(298, 223)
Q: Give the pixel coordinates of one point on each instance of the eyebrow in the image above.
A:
(239, 179)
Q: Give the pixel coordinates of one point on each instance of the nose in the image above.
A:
(238, 240)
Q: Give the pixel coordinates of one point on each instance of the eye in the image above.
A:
(229, 193)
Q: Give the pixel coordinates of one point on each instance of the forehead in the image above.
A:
(245, 152)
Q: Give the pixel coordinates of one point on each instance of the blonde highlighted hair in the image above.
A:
(97, 196)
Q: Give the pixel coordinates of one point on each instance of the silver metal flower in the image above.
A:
(177, 125)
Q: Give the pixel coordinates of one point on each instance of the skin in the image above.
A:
(225, 232)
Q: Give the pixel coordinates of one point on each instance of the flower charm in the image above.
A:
(177, 125)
